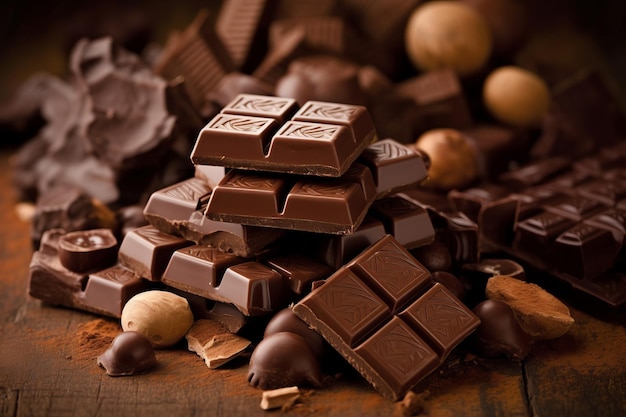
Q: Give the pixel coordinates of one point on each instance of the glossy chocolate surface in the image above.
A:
(383, 313)
(130, 353)
(87, 250)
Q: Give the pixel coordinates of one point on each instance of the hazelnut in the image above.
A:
(161, 316)
(516, 96)
(453, 159)
(448, 34)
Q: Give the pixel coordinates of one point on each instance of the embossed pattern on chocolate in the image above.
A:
(256, 132)
(383, 313)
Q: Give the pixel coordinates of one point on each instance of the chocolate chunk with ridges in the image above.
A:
(254, 288)
(104, 292)
(383, 313)
(327, 205)
(176, 203)
(146, 251)
(567, 222)
(239, 25)
(88, 250)
(252, 133)
(130, 353)
(197, 54)
(321, 33)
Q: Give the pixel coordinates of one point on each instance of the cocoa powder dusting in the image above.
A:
(94, 337)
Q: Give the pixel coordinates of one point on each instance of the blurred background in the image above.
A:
(37, 36)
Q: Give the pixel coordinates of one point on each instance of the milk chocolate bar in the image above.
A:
(253, 287)
(383, 313)
(322, 205)
(567, 219)
(258, 132)
(102, 292)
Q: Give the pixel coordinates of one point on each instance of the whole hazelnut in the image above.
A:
(453, 159)
(448, 34)
(516, 96)
(161, 316)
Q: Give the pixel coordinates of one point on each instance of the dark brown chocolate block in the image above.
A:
(103, 292)
(383, 313)
(253, 132)
(325, 205)
(566, 220)
(251, 286)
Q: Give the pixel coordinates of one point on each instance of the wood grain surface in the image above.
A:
(48, 365)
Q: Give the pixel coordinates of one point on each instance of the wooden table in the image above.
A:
(48, 365)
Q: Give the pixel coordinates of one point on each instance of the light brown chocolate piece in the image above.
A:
(213, 343)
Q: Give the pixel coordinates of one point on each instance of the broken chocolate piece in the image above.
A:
(213, 343)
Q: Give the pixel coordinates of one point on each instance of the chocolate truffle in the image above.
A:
(88, 250)
(130, 353)
(286, 321)
(499, 333)
(281, 360)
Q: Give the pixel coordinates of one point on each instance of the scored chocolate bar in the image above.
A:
(567, 218)
(259, 133)
(383, 313)
(317, 204)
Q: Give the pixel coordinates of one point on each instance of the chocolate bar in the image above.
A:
(253, 287)
(102, 292)
(383, 313)
(326, 205)
(566, 219)
(253, 132)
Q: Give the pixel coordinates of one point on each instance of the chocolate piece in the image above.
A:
(87, 250)
(70, 209)
(254, 288)
(282, 360)
(276, 62)
(535, 173)
(236, 83)
(197, 54)
(130, 218)
(326, 205)
(130, 353)
(451, 282)
(322, 78)
(566, 222)
(238, 25)
(470, 201)
(434, 256)
(395, 166)
(104, 292)
(475, 276)
(499, 333)
(321, 139)
(298, 270)
(146, 251)
(286, 321)
(213, 343)
(322, 33)
(382, 313)
(408, 223)
(439, 98)
(169, 206)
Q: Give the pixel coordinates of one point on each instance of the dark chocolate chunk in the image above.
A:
(298, 270)
(408, 223)
(499, 333)
(383, 313)
(88, 250)
(281, 360)
(130, 353)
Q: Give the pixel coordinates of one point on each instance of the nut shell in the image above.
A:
(161, 316)
(448, 34)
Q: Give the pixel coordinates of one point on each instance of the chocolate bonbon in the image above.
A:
(258, 132)
(102, 292)
(82, 251)
(383, 313)
(130, 353)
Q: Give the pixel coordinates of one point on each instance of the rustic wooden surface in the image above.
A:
(48, 366)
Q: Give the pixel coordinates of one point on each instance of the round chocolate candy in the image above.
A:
(88, 250)
(451, 282)
(435, 256)
(499, 333)
(130, 353)
(281, 360)
(286, 321)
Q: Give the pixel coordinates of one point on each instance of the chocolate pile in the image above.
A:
(295, 162)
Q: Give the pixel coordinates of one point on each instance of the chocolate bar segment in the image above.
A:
(383, 313)
(253, 132)
(325, 205)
